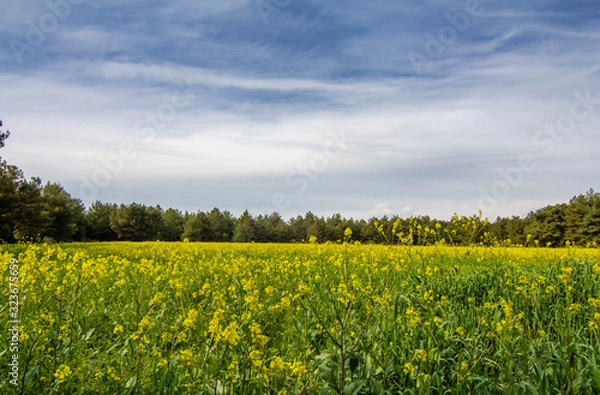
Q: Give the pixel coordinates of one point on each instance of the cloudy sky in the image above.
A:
(357, 107)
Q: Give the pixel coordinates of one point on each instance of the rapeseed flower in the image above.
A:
(62, 373)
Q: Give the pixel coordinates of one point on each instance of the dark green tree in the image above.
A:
(591, 220)
(3, 136)
(11, 178)
(172, 225)
(222, 225)
(66, 214)
(244, 228)
(97, 222)
(197, 227)
(156, 223)
(131, 222)
(334, 227)
(315, 226)
(279, 228)
(547, 225)
(31, 220)
(575, 213)
(297, 228)
(21, 204)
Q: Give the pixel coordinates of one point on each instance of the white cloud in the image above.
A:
(262, 103)
(381, 209)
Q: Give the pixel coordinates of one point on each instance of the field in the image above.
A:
(189, 318)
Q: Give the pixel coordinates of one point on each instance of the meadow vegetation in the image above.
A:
(348, 318)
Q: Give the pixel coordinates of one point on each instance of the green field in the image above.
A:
(192, 318)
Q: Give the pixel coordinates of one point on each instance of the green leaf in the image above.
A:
(355, 387)
(89, 334)
(298, 326)
(131, 383)
(31, 375)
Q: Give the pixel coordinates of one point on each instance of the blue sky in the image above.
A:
(363, 108)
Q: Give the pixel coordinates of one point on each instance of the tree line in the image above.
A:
(31, 211)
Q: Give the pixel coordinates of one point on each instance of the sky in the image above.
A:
(363, 108)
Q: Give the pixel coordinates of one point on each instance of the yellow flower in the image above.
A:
(257, 335)
(62, 373)
(408, 368)
(298, 369)
(181, 337)
(594, 302)
(112, 373)
(302, 289)
(461, 331)
(412, 316)
(277, 363)
(146, 323)
(573, 307)
(190, 321)
(421, 355)
(428, 296)
(347, 233)
(231, 334)
(566, 274)
(214, 326)
(118, 329)
(595, 322)
(166, 337)
(185, 355)
(256, 358)
(158, 298)
(232, 369)
(162, 363)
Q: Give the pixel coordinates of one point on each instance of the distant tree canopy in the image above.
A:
(3, 136)
(31, 211)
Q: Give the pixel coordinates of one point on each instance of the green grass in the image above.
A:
(188, 318)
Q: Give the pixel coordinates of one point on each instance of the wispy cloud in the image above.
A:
(264, 96)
